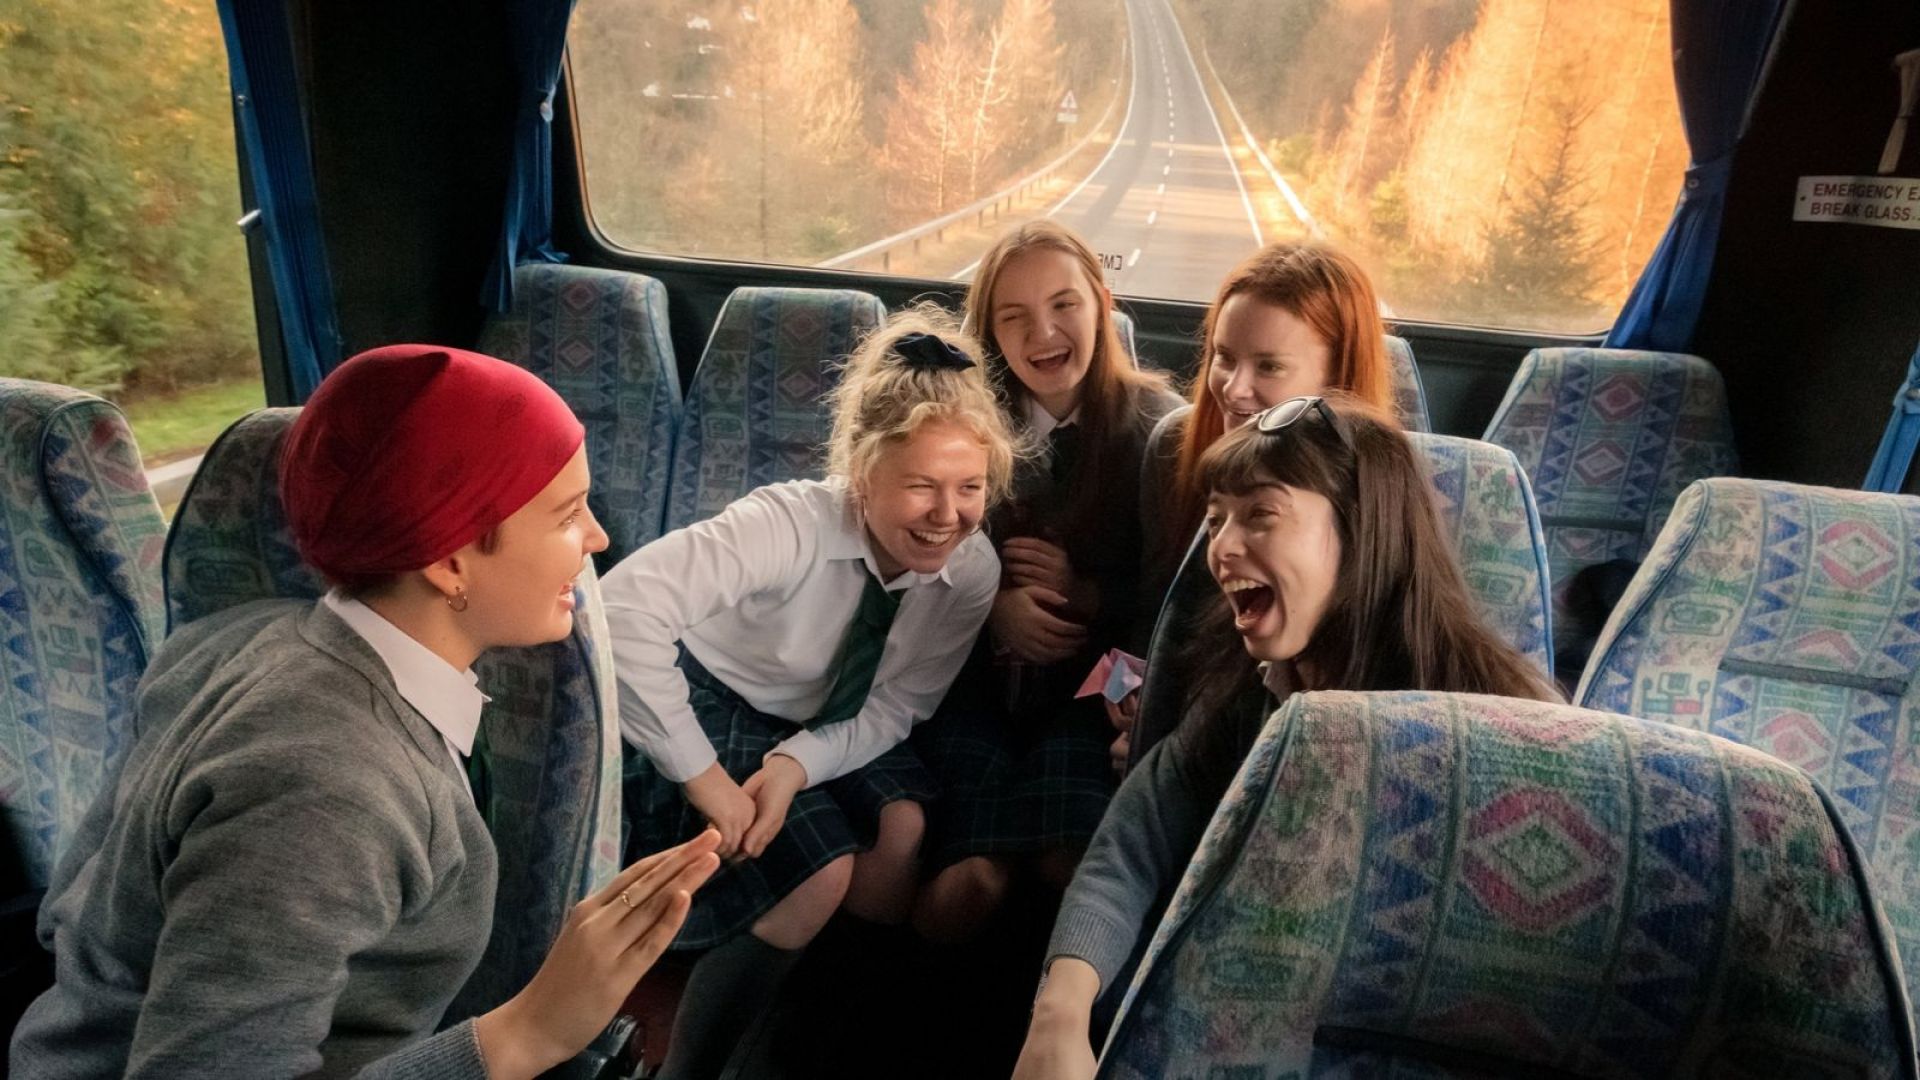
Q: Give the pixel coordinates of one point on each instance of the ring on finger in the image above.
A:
(626, 899)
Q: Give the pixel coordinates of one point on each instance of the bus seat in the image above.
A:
(600, 338)
(1484, 506)
(551, 727)
(1441, 885)
(1787, 618)
(755, 413)
(1123, 325)
(1609, 438)
(1409, 393)
(80, 610)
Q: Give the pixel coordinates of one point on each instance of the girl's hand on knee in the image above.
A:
(723, 803)
(772, 790)
(608, 942)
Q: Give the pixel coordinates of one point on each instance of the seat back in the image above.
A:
(552, 731)
(1444, 885)
(755, 413)
(599, 337)
(1484, 506)
(80, 608)
(1788, 618)
(1123, 325)
(1609, 438)
(1409, 393)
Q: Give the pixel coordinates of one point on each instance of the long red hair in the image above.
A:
(1321, 287)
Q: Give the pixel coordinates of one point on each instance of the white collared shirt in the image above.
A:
(762, 595)
(1042, 423)
(449, 699)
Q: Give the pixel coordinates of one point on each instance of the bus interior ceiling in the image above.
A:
(1812, 324)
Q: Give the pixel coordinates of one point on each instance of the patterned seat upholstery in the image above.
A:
(1123, 325)
(600, 338)
(1788, 618)
(1484, 506)
(1437, 885)
(551, 727)
(1409, 393)
(1609, 438)
(754, 413)
(80, 608)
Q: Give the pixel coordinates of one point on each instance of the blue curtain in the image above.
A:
(539, 29)
(1720, 49)
(1895, 456)
(273, 135)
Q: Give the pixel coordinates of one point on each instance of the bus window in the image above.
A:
(1494, 162)
(121, 271)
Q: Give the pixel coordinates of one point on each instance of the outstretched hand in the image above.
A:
(607, 943)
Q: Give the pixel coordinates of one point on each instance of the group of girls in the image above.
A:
(846, 697)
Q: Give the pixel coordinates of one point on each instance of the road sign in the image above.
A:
(1069, 108)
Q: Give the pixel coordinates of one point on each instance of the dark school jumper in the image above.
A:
(1022, 764)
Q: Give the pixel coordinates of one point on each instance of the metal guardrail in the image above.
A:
(995, 204)
(1246, 134)
(169, 482)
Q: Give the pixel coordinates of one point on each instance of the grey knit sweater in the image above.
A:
(285, 878)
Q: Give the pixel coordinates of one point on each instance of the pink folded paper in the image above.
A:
(1118, 674)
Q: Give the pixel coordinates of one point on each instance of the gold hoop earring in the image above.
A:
(458, 601)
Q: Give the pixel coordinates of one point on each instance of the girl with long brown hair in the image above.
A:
(1021, 762)
(1335, 575)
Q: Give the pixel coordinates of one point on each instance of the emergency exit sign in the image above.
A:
(1889, 202)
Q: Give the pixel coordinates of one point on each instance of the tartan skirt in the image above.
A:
(824, 822)
(1015, 779)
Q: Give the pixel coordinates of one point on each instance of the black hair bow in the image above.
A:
(926, 352)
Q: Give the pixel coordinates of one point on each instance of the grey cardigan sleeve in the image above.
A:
(1137, 855)
(290, 860)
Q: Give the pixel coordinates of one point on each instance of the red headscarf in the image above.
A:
(407, 453)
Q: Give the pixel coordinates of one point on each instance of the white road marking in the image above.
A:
(1153, 216)
(1233, 165)
(1165, 169)
(1133, 258)
(1161, 190)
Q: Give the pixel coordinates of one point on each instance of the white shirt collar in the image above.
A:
(449, 698)
(850, 541)
(1042, 423)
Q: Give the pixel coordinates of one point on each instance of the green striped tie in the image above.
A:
(859, 653)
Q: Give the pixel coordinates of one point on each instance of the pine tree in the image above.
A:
(1364, 132)
(1540, 257)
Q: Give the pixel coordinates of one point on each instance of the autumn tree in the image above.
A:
(931, 117)
(117, 179)
(1360, 152)
(1539, 254)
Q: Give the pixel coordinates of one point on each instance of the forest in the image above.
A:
(1508, 162)
(121, 270)
(794, 130)
(1503, 162)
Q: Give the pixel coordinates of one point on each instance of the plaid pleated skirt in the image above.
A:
(824, 822)
(1015, 779)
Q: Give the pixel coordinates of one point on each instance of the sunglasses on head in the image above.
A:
(1280, 417)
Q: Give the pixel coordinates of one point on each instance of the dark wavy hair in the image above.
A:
(1400, 617)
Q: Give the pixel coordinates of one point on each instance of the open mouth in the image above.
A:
(1050, 361)
(1251, 601)
(930, 539)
